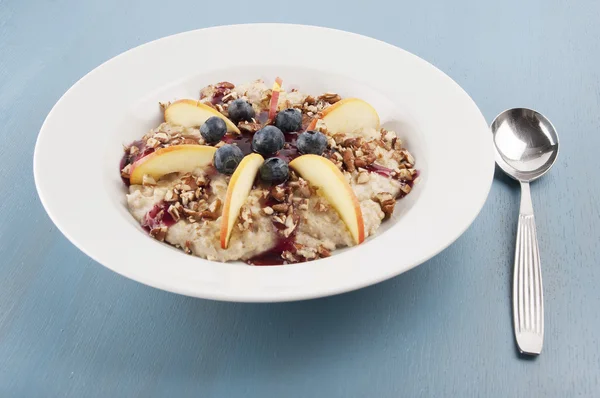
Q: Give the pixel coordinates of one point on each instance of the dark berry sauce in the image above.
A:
(273, 256)
(157, 217)
(383, 171)
(130, 159)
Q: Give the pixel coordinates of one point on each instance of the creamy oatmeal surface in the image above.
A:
(278, 223)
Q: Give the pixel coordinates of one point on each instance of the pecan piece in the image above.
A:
(348, 158)
(278, 193)
(330, 98)
(159, 233)
(281, 207)
(386, 202)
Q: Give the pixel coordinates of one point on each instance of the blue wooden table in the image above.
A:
(71, 328)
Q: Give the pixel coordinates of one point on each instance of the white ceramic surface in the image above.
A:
(80, 144)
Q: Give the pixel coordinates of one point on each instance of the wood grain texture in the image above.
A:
(71, 328)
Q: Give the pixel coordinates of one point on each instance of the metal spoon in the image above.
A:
(526, 147)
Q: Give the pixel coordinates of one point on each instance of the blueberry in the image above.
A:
(289, 120)
(313, 142)
(274, 170)
(213, 129)
(240, 110)
(227, 158)
(268, 140)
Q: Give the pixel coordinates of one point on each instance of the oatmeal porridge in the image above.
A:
(264, 175)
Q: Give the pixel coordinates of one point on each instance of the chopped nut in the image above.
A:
(159, 233)
(309, 100)
(409, 157)
(215, 206)
(289, 257)
(220, 108)
(278, 193)
(321, 126)
(405, 188)
(386, 202)
(363, 177)
(125, 173)
(174, 213)
(227, 85)
(403, 175)
(397, 143)
(311, 108)
(245, 218)
(322, 251)
(161, 137)
(360, 162)
(290, 225)
(230, 96)
(152, 143)
(281, 207)
(171, 196)
(339, 138)
(202, 181)
(186, 197)
(133, 150)
(348, 159)
(304, 188)
(249, 127)
(331, 142)
(267, 210)
(147, 180)
(219, 144)
(330, 98)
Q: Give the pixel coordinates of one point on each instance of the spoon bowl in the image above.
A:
(526, 143)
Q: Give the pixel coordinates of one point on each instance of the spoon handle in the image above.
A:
(528, 297)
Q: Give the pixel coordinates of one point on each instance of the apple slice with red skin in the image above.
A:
(177, 158)
(192, 113)
(238, 190)
(348, 116)
(321, 173)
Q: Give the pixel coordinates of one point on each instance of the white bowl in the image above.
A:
(80, 144)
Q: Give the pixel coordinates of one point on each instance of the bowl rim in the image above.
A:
(265, 291)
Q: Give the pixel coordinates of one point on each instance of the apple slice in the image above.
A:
(181, 158)
(350, 115)
(238, 189)
(332, 185)
(275, 98)
(192, 113)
